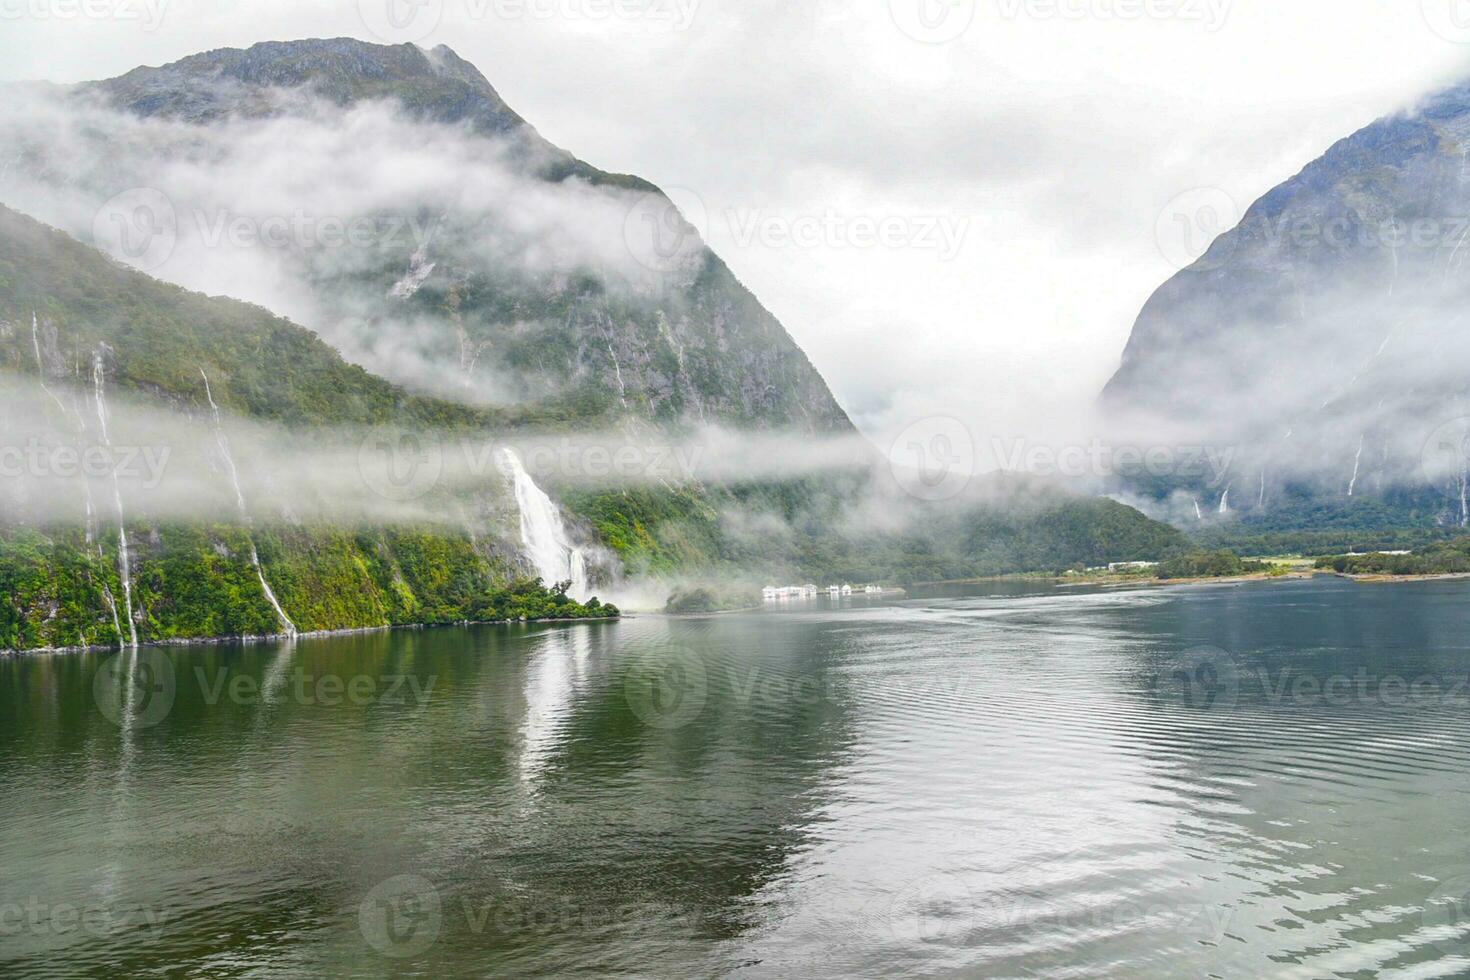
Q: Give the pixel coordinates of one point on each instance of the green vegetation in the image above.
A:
(1443, 558)
(693, 601)
(196, 582)
(801, 530)
(1209, 564)
(528, 599)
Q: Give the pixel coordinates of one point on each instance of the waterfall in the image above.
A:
(1261, 500)
(618, 370)
(543, 534)
(41, 366)
(224, 449)
(1225, 501)
(89, 529)
(124, 565)
(1357, 461)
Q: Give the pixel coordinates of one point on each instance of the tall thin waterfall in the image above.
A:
(90, 527)
(1357, 461)
(224, 449)
(1225, 501)
(543, 534)
(124, 564)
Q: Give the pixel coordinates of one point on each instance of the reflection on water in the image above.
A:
(1258, 780)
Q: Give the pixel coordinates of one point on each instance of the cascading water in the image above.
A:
(1225, 501)
(124, 564)
(90, 526)
(1357, 462)
(224, 449)
(543, 534)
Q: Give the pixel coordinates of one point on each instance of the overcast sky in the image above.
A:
(957, 208)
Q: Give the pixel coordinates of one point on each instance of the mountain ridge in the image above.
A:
(643, 321)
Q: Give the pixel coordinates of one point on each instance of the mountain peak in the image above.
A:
(437, 84)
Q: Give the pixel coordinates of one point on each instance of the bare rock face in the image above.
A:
(501, 269)
(1323, 338)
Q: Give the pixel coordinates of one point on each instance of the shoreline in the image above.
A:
(1107, 582)
(251, 639)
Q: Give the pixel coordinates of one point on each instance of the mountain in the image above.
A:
(233, 401)
(492, 267)
(1323, 339)
(399, 262)
(98, 356)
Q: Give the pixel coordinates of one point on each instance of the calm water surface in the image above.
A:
(1263, 780)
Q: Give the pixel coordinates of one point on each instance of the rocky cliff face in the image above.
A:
(1324, 336)
(492, 267)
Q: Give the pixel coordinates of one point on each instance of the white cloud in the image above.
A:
(1060, 139)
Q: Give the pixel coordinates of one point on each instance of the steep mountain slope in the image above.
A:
(491, 267)
(97, 359)
(259, 525)
(1324, 336)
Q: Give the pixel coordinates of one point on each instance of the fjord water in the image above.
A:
(1261, 780)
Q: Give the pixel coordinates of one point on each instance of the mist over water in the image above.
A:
(1218, 781)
